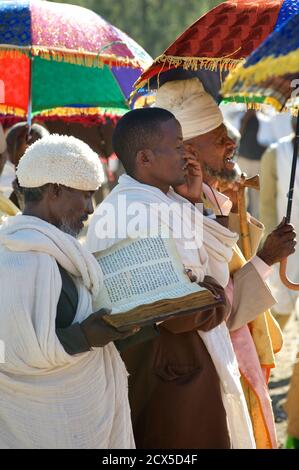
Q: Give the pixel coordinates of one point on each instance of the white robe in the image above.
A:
(48, 398)
(209, 253)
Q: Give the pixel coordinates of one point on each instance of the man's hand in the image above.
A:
(192, 189)
(212, 285)
(98, 333)
(279, 244)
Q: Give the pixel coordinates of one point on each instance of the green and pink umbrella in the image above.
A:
(64, 61)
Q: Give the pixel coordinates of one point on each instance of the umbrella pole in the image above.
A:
(283, 264)
(29, 110)
(293, 173)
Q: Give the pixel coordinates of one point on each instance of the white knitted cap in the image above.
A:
(62, 160)
(193, 107)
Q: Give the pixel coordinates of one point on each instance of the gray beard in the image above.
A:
(66, 228)
(224, 175)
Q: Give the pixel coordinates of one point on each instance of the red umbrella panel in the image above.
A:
(217, 42)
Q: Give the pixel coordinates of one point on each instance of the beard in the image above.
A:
(223, 176)
(65, 227)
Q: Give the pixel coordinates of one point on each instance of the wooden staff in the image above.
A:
(253, 183)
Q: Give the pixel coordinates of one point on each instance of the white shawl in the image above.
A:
(210, 255)
(50, 399)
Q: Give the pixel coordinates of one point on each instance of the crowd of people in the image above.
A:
(198, 381)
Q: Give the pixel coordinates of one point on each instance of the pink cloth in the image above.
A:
(251, 369)
(242, 341)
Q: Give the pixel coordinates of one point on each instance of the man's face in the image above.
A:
(215, 151)
(71, 208)
(168, 165)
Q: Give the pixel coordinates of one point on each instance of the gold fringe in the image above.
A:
(67, 112)
(87, 59)
(248, 100)
(195, 63)
(263, 70)
(6, 52)
(222, 64)
(79, 57)
(4, 109)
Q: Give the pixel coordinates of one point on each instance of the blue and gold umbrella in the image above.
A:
(270, 75)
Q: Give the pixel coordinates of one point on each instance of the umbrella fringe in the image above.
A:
(248, 100)
(11, 110)
(221, 64)
(13, 53)
(84, 58)
(67, 112)
(260, 72)
(195, 63)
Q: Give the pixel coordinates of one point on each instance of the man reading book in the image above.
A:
(62, 382)
(184, 385)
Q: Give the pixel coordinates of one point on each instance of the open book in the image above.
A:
(145, 282)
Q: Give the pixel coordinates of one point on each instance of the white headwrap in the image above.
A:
(62, 160)
(192, 106)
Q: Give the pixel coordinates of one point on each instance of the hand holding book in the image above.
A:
(145, 282)
(98, 332)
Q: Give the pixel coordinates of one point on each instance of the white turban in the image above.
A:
(192, 106)
(62, 160)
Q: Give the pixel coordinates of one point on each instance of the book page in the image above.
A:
(141, 271)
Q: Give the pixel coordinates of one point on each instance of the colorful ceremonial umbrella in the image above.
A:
(64, 61)
(217, 42)
(271, 75)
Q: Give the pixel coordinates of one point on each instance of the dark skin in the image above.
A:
(215, 149)
(168, 164)
(62, 206)
(163, 165)
(282, 241)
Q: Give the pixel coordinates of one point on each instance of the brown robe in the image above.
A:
(174, 388)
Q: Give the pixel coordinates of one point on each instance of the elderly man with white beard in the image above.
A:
(62, 382)
(150, 146)
(205, 137)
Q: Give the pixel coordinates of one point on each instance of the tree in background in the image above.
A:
(154, 24)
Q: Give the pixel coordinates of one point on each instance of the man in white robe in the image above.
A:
(62, 381)
(149, 143)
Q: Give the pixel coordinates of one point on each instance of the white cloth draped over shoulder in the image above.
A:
(209, 254)
(48, 398)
